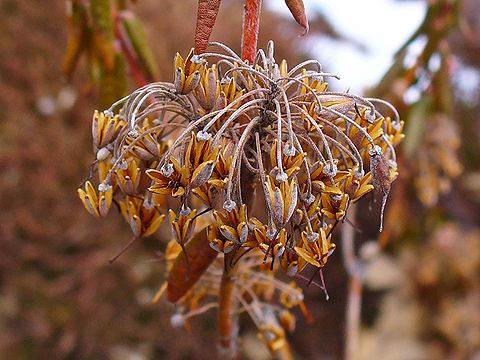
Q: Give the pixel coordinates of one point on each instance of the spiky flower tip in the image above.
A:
(266, 155)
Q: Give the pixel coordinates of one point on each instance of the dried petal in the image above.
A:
(306, 256)
(182, 277)
(202, 173)
(380, 177)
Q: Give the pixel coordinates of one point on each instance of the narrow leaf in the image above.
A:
(112, 82)
(138, 39)
(297, 9)
(76, 37)
(183, 277)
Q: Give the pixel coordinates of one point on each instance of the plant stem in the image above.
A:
(132, 61)
(227, 306)
(354, 305)
(251, 24)
(284, 352)
(227, 316)
(354, 302)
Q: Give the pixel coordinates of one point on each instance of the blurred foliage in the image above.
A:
(432, 133)
(60, 299)
(429, 312)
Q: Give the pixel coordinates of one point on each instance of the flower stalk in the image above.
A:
(228, 315)
(354, 299)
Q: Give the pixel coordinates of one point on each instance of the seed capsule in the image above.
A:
(229, 205)
(203, 135)
(289, 150)
(167, 169)
(281, 176)
(102, 154)
(330, 169)
(104, 187)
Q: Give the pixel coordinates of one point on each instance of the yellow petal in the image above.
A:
(229, 233)
(155, 175)
(87, 203)
(160, 189)
(154, 225)
(91, 192)
(306, 256)
(179, 192)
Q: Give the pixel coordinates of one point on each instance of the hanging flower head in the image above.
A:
(258, 157)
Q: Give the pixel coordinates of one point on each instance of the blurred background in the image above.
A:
(60, 299)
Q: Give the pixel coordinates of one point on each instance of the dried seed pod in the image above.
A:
(203, 135)
(191, 82)
(102, 154)
(229, 205)
(179, 79)
(167, 169)
(380, 176)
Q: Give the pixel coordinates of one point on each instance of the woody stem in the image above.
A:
(251, 24)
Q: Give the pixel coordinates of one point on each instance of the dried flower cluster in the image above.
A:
(256, 162)
(438, 161)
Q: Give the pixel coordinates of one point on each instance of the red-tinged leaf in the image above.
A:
(140, 45)
(206, 16)
(297, 9)
(184, 274)
(128, 50)
(251, 22)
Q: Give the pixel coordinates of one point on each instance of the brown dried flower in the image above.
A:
(257, 161)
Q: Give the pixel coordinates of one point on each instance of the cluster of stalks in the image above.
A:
(253, 165)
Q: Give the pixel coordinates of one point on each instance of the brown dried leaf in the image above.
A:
(206, 16)
(183, 277)
(380, 177)
(297, 9)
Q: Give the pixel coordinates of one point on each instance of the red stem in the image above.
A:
(126, 47)
(251, 24)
